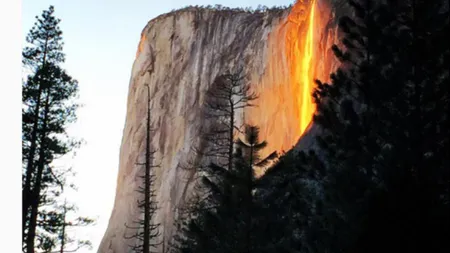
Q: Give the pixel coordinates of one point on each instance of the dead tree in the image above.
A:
(145, 230)
(65, 241)
(227, 95)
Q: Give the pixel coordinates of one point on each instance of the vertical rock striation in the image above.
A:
(179, 56)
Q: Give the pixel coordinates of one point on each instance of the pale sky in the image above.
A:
(101, 38)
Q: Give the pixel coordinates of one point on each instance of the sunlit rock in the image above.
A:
(179, 55)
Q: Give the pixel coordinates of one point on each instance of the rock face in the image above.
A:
(179, 56)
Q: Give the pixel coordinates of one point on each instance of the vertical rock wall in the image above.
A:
(179, 55)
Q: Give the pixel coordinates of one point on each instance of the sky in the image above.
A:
(100, 42)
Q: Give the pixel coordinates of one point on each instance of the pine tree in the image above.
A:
(285, 196)
(224, 99)
(383, 123)
(48, 108)
(227, 96)
(45, 39)
(146, 230)
(223, 222)
(247, 159)
(63, 242)
(360, 191)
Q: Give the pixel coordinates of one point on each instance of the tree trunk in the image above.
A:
(249, 200)
(230, 147)
(146, 246)
(26, 191)
(37, 187)
(63, 230)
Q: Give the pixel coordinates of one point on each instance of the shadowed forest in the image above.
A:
(376, 180)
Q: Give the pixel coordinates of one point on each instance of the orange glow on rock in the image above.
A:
(300, 58)
(285, 106)
(141, 44)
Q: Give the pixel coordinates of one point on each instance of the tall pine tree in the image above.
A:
(48, 107)
(224, 221)
(44, 48)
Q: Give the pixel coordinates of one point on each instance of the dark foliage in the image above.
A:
(223, 221)
(380, 179)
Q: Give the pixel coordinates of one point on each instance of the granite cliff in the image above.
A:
(179, 56)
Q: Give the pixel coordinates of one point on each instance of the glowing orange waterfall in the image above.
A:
(307, 104)
(300, 52)
(294, 59)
